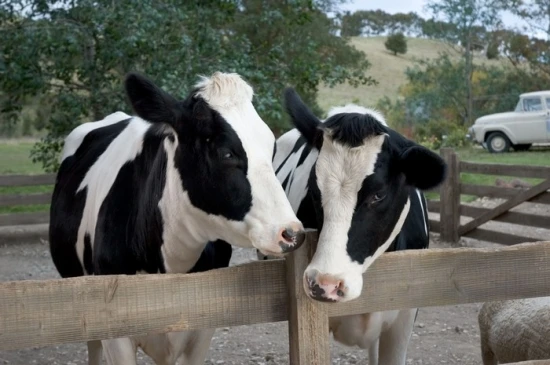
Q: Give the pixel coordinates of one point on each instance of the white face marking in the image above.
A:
(230, 96)
(340, 173)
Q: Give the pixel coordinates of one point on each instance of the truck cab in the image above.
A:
(529, 123)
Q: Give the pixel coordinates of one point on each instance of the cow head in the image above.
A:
(221, 150)
(360, 188)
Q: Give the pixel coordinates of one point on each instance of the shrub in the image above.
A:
(396, 43)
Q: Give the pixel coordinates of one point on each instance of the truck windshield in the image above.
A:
(519, 106)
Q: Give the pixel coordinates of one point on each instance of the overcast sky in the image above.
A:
(405, 6)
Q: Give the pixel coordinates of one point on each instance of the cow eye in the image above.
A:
(377, 197)
(227, 155)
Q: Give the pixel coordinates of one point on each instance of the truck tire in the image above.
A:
(522, 147)
(497, 142)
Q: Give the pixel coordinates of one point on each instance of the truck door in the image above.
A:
(533, 124)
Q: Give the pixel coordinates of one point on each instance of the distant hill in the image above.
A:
(387, 69)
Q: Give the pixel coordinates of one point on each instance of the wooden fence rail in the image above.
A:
(10, 200)
(450, 208)
(48, 312)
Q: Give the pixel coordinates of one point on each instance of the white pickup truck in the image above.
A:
(529, 123)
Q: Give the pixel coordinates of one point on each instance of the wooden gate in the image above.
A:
(451, 209)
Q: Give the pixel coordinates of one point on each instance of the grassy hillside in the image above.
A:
(387, 69)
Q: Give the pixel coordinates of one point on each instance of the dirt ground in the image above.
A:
(442, 335)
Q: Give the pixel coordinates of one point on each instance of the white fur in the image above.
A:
(187, 228)
(75, 138)
(232, 98)
(296, 189)
(385, 334)
(423, 211)
(340, 173)
(101, 176)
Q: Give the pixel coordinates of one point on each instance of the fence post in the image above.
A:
(308, 320)
(450, 198)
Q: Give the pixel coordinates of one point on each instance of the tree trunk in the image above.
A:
(469, 74)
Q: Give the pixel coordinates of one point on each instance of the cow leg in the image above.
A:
(95, 352)
(119, 351)
(395, 340)
(195, 346)
(373, 353)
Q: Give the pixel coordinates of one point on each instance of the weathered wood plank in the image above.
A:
(27, 180)
(542, 172)
(439, 277)
(37, 313)
(524, 219)
(47, 312)
(450, 198)
(530, 362)
(489, 191)
(498, 237)
(25, 199)
(504, 207)
(308, 321)
(24, 218)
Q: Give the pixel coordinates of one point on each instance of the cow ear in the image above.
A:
(423, 168)
(304, 120)
(150, 102)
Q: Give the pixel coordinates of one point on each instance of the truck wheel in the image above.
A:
(522, 147)
(497, 142)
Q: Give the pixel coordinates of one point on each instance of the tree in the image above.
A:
(77, 53)
(396, 43)
(468, 18)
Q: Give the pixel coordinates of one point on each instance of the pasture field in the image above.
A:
(387, 69)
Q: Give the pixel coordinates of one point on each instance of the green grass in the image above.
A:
(15, 159)
(535, 157)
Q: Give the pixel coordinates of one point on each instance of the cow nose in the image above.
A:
(325, 288)
(291, 237)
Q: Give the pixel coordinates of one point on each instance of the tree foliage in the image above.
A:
(396, 43)
(75, 54)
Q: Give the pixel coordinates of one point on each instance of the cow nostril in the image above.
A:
(340, 293)
(289, 235)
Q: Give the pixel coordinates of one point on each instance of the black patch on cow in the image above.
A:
(88, 260)
(303, 156)
(67, 205)
(413, 233)
(351, 129)
(129, 223)
(213, 166)
(215, 255)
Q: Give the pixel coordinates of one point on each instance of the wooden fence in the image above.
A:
(11, 200)
(49, 312)
(451, 209)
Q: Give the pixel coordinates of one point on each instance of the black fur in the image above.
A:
(401, 167)
(128, 236)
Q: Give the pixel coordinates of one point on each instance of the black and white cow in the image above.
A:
(145, 193)
(358, 183)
